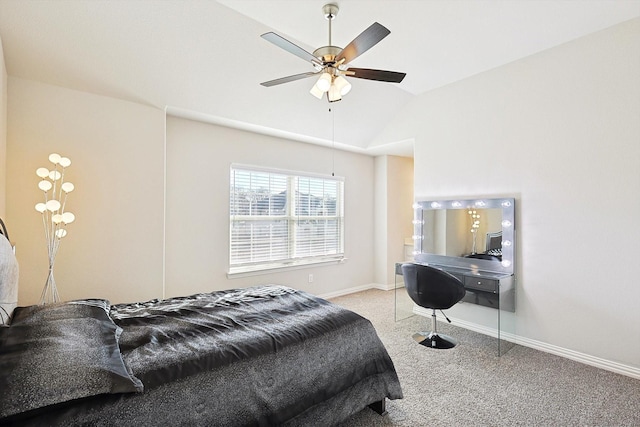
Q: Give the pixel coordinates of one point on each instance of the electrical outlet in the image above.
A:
(311, 278)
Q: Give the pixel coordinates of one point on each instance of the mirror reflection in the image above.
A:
(473, 232)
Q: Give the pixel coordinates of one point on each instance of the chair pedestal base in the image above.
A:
(435, 340)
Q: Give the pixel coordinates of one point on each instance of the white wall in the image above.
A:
(560, 131)
(3, 136)
(400, 208)
(380, 215)
(114, 248)
(198, 159)
(393, 214)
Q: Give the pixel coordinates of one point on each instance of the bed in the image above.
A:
(266, 355)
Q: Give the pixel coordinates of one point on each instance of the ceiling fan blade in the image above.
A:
(365, 41)
(290, 47)
(379, 75)
(288, 79)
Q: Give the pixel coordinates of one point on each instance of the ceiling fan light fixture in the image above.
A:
(324, 82)
(334, 93)
(342, 84)
(316, 92)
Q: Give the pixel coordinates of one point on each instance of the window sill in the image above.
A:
(256, 270)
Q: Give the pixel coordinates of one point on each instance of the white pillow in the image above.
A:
(8, 281)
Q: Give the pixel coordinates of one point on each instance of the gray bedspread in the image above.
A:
(257, 356)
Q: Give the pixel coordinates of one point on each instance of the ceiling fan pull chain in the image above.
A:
(333, 143)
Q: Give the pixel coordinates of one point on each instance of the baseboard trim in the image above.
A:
(387, 287)
(353, 290)
(598, 362)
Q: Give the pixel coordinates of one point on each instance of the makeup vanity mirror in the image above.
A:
(478, 235)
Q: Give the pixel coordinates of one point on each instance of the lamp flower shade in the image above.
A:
(55, 216)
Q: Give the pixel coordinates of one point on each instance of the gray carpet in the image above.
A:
(470, 385)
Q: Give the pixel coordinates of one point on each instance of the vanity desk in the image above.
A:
(473, 240)
(495, 290)
(489, 289)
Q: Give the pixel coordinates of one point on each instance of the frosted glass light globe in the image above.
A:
(68, 217)
(55, 175)
(45, 185)
(343, 85)
(42, 172)
(54, 158)
(61, 233)
(65, 162)
(324, 82)
(57, 218)
(41, 207)
(68, 187)
(53, 205)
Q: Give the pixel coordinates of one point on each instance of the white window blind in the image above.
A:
(279, 219)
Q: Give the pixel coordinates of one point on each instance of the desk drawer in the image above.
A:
(482, 284)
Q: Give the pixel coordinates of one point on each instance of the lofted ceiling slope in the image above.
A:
(205, 59)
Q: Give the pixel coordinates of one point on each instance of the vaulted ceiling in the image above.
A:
(206, 59)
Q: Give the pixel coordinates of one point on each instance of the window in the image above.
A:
(280, 219)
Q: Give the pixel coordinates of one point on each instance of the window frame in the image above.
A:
(292, 219)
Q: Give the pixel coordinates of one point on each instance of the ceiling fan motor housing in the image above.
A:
(327, 54)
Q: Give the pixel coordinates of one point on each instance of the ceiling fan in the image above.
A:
(331, 62)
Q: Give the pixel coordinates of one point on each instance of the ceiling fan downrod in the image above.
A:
(330, 12)
(327, 54)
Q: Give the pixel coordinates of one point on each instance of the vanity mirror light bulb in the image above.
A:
(415, 206)
(456, 204)
(506, 263)
(506, 223)
(435, 205)
(416, 237)
(506, 243)
(506, 203)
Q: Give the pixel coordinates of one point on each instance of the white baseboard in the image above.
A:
(598, 362)
(382, 287)
(350, 290)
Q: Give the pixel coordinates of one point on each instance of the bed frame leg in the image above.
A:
(380, 406)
